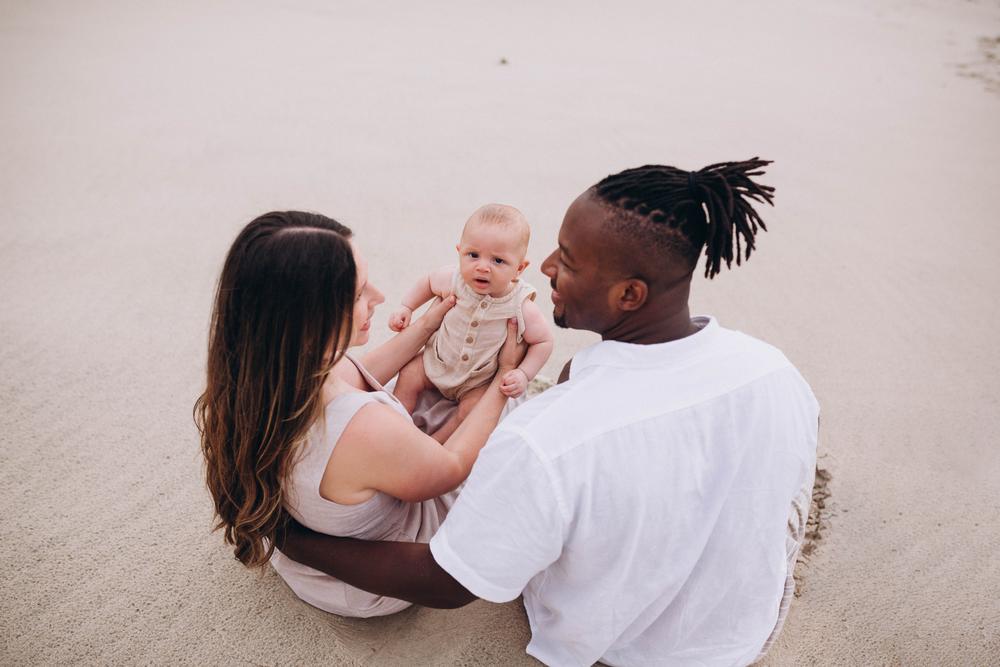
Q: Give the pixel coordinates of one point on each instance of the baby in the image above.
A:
(460, 358)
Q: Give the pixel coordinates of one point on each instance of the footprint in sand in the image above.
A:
(816, 525)
(987, 67)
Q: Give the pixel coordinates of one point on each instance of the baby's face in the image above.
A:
(490, 257)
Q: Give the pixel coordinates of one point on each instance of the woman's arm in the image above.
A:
(381, 451)
(385, 361)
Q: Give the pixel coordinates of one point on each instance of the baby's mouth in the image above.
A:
(482, 282)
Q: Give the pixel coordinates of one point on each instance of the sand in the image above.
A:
(137, 140)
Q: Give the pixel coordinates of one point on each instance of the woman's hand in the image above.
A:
(431, 320)
(388, 358)
(512, 351)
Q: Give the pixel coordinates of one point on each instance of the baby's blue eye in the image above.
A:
(474, 255)
(498, 260)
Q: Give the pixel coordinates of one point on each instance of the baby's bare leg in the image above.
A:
(411, 381)
(465, 405)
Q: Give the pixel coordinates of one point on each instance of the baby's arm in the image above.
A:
(539, 339)
(435, 283)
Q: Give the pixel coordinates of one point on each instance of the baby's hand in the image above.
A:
(514, 383)
(400, 319)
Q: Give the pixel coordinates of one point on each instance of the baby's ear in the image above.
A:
(458, 248)
(522, 266)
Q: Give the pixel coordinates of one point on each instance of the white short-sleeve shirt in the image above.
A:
(641, 507)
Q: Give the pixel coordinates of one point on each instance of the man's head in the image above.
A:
(629, 245)
(492, 249)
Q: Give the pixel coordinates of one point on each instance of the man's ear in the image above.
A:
(631, 294)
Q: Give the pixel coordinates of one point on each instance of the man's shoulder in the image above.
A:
(535, 420)
(604, 398)
(754, 351)
(568, 414)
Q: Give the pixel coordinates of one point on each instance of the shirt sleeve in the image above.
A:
(506, 525)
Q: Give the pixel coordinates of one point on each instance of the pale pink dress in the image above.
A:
(381, 517)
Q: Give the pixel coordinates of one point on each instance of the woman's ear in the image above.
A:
(632, 294)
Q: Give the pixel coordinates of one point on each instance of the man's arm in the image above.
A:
(404, 570)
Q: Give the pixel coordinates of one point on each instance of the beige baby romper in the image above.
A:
(462, 354)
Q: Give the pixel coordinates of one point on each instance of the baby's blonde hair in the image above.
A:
(503, 216)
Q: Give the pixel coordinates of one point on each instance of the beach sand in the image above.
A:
(137, 140)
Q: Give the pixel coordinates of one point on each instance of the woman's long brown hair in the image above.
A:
(283, 309)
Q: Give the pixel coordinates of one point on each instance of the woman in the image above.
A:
(289, 421)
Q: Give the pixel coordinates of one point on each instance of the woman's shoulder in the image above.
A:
(348, 370)
(366, 438)
(342, 406)
(345, 405)
(373, 418)
(351, 419)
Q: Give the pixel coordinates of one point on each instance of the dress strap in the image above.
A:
(372, 382)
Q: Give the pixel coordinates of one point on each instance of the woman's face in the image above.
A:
(366, 297)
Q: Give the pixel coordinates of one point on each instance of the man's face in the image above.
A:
(579, 278)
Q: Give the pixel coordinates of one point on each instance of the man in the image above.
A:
(643, 506)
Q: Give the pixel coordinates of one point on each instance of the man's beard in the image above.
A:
(560, 321)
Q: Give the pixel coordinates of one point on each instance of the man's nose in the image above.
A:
(548, 265)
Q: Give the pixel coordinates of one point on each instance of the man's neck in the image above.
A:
(651, 329)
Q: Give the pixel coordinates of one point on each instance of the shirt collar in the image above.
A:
(630, 355)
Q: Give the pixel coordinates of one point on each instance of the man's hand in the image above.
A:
(512, 352)
(514, 383)
(400, 318)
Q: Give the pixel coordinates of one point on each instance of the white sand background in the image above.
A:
(137, 138)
